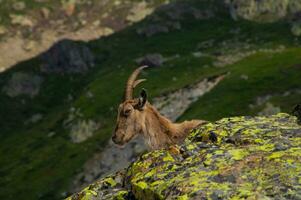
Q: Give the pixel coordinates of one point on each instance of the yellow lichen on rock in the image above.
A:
(253, 157)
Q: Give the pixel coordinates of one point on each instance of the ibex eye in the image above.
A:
(128, 111)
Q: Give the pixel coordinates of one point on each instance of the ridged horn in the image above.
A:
(132, 83)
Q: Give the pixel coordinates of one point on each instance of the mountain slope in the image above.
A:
(36, 150)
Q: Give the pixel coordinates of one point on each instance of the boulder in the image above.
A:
(138, 12)
(152, 29)
(151, 60)
(19, 5)
(67, 56)
(22, 83)
(251, 158)
(296, 28)
(263, 10)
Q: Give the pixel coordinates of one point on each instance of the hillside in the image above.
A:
(55, 114)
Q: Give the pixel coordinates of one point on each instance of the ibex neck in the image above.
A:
(159, 131)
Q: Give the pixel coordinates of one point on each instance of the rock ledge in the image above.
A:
(253, 157)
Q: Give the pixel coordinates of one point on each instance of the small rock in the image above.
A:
(296, 29)
(89, 94)
(139, 12)
(70, 97)
(106, 31)
(69, 7)
(197, 54)
(51, 134)
(117, 3)
(34, 119)
(269, 109)
(152, 29)
(200, 15)
(67, 56)
(3, 30)
(297, 112)
(82, 130)
(205, 44)
(21, 20)
(23, 84)
(29, 45)
(19, 5)
(151, 60)
(244, 77)
(45, 13)
(83, 22)
(96, 23)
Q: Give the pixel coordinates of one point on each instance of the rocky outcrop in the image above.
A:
(67, 56)
(139, 11)
(80, 129)
(151, 60)
(174, 104)
(264, 10)
(253, 157)
(22, 83)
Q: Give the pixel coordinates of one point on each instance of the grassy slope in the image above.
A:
(32, 165)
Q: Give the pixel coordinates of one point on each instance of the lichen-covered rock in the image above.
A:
(107, 188)
(253, 157)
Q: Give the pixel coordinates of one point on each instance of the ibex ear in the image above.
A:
(142, 99)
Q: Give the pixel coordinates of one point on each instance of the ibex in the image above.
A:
(138, 116)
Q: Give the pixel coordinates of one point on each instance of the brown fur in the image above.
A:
(138, 116)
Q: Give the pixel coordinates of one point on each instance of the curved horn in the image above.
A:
(132, 83)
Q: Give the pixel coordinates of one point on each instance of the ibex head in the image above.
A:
(131, 114)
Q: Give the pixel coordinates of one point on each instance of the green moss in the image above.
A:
(238, 154)
(183, 197)
(110, 181)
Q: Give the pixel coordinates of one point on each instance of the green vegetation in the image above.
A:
(34, 165)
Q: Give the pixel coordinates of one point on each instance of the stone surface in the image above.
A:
(19, 5)
(253, 157)
(23, 84)
(270, 109)
(296, 28)
(3, 30)
(263, 10)
(180, 10)
(21, 20)
(151, 60)
(80, 129)
(138, 12)
(174, 104)
(67, 56)
(152, 29)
